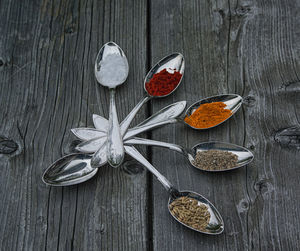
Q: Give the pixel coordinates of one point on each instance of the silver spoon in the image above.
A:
(69, 170)
(244, 155)
(111, 70)
(233, 102)
(174, 61)
(216, 224)
(164, 116)
(76, 168)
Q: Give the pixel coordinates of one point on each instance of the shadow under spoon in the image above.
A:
(215, 224)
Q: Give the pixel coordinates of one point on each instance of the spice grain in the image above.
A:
(163, 82)
(191, 212)
(215, 160)
(208, 115)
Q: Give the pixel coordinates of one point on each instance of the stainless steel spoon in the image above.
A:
(69, 170)
(244, 155)
(233, 102)
(111, 70)
(76, 168)
(174, 61)
(164, 116)
(216, 224)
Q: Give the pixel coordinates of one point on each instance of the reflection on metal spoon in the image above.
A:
(71, 169)
(244, 155)
(216, 224)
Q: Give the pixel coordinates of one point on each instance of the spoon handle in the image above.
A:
(139, 129)
(115, 148)
(126, 122)
(133, 152)
(150, 142)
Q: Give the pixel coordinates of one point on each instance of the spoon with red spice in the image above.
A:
(162, 80)
(215, 225)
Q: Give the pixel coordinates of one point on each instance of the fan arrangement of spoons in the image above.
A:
(108, 141)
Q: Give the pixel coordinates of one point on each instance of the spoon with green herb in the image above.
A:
(189, 208)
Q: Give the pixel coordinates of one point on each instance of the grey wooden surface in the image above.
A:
(47, 87)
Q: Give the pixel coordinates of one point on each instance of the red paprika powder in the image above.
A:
(163, 82)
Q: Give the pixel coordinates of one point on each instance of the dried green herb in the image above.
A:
(190, 212)
(215, 160)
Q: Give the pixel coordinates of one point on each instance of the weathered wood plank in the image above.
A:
(47, 86)
(251, 49)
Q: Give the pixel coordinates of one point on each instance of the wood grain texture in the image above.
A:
(47, 87)
(249, 48)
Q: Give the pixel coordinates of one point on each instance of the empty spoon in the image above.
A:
(243, 154)
(215, 225)
(111, 70)
(69, 170)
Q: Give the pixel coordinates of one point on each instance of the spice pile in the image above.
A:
(163, 82)
(208, 115)
(113, 70)
(190, 212)
(215, 160)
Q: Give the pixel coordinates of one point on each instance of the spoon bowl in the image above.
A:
(105, 73)
(172, 62)
(244, 155)
(69, 170)
(215, 225)
(233, 102)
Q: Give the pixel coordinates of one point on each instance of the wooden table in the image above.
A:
(47, 87)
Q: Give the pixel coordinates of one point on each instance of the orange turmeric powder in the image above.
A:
(208, 115)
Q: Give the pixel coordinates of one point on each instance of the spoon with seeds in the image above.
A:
(213, 225)
(238, 155)
(111, 70)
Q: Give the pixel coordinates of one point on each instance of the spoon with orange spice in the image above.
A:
(204, 114)
(212, 111)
